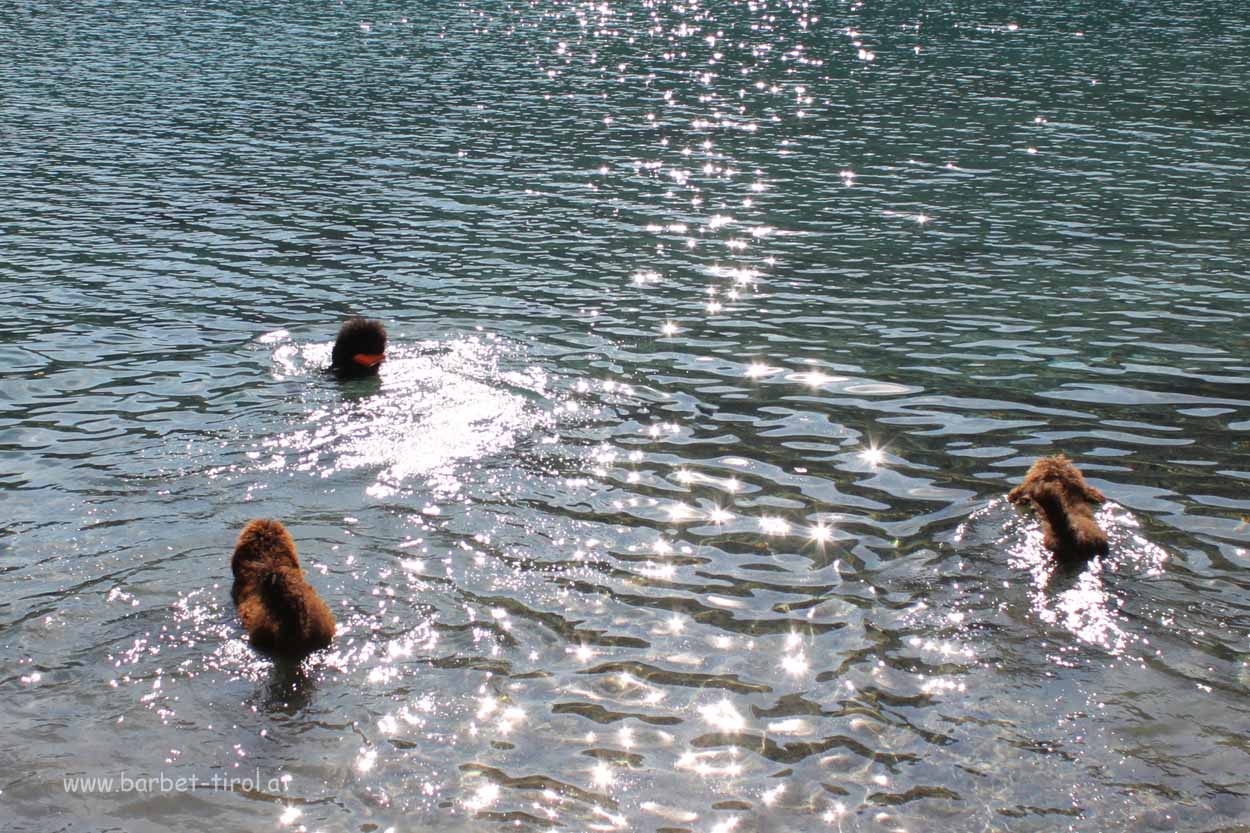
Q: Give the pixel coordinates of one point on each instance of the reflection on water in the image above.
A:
(440, 405)
(1077, 598)
(718, 333)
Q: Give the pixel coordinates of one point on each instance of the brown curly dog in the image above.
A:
(1064, 500)
(280, 610)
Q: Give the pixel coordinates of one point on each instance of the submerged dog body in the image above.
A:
(1065, 502)
(280, 610)
(359, 349)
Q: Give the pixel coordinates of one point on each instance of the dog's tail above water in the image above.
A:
(1076, 535)
(288, 597)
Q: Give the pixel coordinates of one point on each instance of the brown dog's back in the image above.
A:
(280, 610)
(1065, 501)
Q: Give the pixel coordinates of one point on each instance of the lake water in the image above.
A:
(719, 332)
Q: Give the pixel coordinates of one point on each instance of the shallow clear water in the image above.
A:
(719, 331)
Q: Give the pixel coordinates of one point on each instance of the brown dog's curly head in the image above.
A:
(1057, 489)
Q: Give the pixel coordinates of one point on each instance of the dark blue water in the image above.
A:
(719, 332)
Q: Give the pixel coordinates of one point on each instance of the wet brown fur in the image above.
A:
(280, 610)
(357, 335)
(1057, 489)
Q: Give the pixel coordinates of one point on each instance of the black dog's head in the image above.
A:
(359, 349)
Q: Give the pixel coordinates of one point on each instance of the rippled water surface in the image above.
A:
(719, 331)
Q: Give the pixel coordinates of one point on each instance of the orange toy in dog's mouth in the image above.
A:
(368, 359)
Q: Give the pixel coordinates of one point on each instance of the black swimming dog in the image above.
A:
(359, 349)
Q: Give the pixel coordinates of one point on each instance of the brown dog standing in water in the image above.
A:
(1064, 500)
(280, 610)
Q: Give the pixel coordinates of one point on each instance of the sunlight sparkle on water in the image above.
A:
(679, 512)
(795, 664)
(670, 813)
(432, 415)
(940, 685)
(834, 813)
(705, 763)
(723, 716)
(773, 525)
(1087, 610)
(486, 795)
(509, 719)
(790, 726)
(658, 571)
(602, 775)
